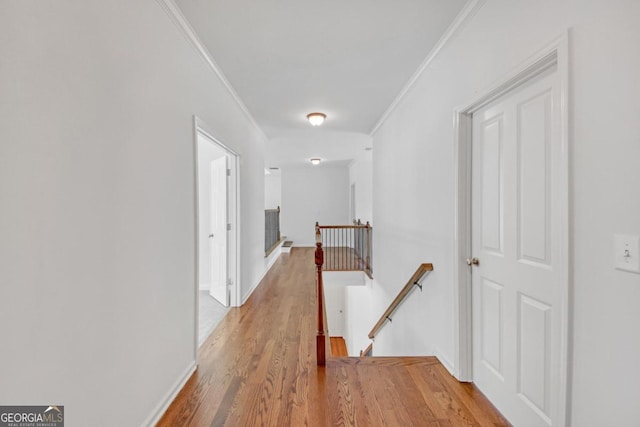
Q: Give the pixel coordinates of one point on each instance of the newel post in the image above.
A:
(279, 235)
(368, 240)
(321, 341)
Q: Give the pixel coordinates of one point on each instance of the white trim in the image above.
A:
(182, 23)
(465, 15)
(236, 300)
(203, 128)
(530, 69)
(444, 360)
(253, 288)
(562, 49)
(166, 401)
(196, 275)
(463, 362)
(555, 53)
(270, 263)
(273, 257)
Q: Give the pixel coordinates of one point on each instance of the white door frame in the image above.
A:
(233, 243)
(554, 54)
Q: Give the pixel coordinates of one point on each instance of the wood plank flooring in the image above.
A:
(258, 368)
(338, 347)
(340, 258)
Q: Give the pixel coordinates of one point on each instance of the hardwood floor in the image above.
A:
(338, 347)
(258, 368)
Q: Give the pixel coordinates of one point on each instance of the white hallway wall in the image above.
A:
(97, 255)
(413, 169)
(272, 191)
(361, 174)
(311, 194)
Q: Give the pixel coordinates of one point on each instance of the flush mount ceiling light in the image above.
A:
(315, 162)
(316, 119)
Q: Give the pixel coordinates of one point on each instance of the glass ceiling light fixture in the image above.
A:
(316, 119)
(315, 161)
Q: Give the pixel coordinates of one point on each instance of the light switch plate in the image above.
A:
(626, 250)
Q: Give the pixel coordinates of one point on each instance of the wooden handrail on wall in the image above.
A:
(367, 351)
(414, 281)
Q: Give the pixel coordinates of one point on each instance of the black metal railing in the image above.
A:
(271, 229)
(346, 247)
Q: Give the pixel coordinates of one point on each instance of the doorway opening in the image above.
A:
(216, 231)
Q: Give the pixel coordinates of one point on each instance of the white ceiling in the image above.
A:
(346, 58)
(295, 147)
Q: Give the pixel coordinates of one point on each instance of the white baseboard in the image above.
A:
(253, 288)
(269, 261)
(304, 245)
(204, 286)
(164, 404)
(445, 362)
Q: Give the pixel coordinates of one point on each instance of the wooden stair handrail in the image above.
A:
(344, 226)
(421, 271)
(366, 351)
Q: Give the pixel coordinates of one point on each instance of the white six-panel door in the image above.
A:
(516, 237)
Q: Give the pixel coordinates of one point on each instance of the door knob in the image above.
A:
(211, 236)
(473, 261)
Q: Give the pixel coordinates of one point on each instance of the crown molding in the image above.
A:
(465, 15)
(178, 18)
